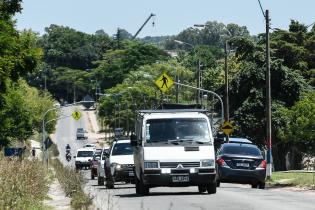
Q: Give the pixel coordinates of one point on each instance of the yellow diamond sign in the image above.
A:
(164, 82)
(76, 115)
(227, 128)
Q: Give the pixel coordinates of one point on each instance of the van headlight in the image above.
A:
(151, 164)
(207, 163)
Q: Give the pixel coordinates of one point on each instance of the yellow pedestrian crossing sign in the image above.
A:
(164, 82)
(227, 128)
(76, 115)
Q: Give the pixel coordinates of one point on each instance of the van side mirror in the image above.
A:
(133, 140)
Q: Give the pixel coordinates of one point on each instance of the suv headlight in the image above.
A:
(207, 163)
(151, 164)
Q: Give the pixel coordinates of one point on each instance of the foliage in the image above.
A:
(66, 47)
(300, 124)
(23, 184)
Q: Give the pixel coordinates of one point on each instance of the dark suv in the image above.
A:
(241, 163)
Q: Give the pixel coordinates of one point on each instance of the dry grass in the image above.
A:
(23, 184)
(72, 182)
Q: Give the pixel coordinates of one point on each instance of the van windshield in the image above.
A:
(85, 154)
(183, 129)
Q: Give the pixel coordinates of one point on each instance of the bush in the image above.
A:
(23, 184)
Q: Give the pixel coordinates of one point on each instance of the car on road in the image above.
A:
(81, 133)
(101, 165)
(90, 145)
(239, 140)
(84, 157)
(119, 167)
(174, 148)
(94, 162)
(241, 163)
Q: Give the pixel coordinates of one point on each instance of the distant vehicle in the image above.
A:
(120, 164)
(84, 157)
(174, 147)
(81, 133)
(94, 162)
(101, 165)
(90, 145)
(241, 163)
(57, 105)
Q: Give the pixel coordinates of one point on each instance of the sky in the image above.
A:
(172, 16)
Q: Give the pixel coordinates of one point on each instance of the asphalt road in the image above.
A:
(228, 197)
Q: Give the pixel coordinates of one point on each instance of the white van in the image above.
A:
(174, 148)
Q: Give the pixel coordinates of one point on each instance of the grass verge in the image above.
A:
(23, 184)
(72, 183)
(299, 179)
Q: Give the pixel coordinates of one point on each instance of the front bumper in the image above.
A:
(82, 164)
(124, 174)
(227, 174)
(154, 178)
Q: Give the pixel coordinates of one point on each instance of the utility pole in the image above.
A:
(268, 100)
(177, 87)
(198, 82)
(226, 86)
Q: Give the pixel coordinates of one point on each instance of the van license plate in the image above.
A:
(180, 178)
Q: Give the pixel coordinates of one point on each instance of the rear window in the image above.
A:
(122, 149)
(240, 149)
(85, 154)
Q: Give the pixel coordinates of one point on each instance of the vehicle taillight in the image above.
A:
(221, 162)
(263, 164)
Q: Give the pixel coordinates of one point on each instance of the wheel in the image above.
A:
(100, 181)
(218, 183)
(143, 189)
(212, 188)
(77, 167)
(137, 185)
(254, 185)
(92, 176)
(110, 183)
(202, 188)
(261, 185)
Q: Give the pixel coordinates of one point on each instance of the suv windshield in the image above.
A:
(163, 130)
(122, 149)
(85, 154)
(240, 149)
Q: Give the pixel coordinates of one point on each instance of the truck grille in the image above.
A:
(175, 164)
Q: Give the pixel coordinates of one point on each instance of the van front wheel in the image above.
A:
(212, 188)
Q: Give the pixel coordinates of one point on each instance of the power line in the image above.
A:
(262, 10)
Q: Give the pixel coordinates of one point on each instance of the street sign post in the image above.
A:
(227, 128)
(76, 115)
(164, 82)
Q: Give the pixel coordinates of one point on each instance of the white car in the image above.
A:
(174, 148)
(119, 167)
(84, 157)
(101, 164)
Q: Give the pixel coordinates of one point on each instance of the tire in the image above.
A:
(110, 183)
(254, 185)
(92, 176)
(218, 183)
(143, 189)
(100, 181)
(137, 185)
(212, 188)
(202, 189)
(262, 185)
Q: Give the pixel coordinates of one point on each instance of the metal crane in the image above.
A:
(146, 21)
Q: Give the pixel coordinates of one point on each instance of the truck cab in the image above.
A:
(173, 148)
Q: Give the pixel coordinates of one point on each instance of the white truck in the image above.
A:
(173, 148)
